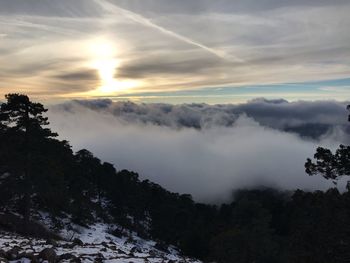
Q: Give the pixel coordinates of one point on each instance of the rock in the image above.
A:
(152, 253)
(121, 251)
(161, 246)
(68, 246)
(114, 248)
(136, 250)
(48, 254)
(30, 256)
(130, 240)
(100, 255)
(99, 258)
(117, 233)
(2, 254)
(3, 260)
(66, 256)
(103, 249)
(75, 260)
(51, 242)
(78, 242)
(104, 244)
(13, 253)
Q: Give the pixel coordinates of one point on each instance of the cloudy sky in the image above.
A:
(200, 96)
(175, 51)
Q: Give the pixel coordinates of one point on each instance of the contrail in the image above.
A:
(146, 22)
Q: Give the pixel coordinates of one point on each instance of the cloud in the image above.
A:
(182, 44)
(219, 6)
(158, 66)
(79, 75)
(63, 8)
(340, 89)
(307, 119)
(147, 22)
(230, 151)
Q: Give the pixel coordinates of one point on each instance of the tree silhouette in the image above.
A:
(23, 123)
(330, 165)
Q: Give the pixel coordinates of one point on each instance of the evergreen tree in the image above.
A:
(330, 165)
(22, 122)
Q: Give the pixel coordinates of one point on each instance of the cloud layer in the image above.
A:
(307, 119)
(233, 147)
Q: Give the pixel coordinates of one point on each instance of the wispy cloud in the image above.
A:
(147, 22)
(174, 46)
(341, 89)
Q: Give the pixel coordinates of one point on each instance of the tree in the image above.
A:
(20, 114)
(330, 165)
(22, 122)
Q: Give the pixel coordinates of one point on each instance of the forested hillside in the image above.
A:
(38, 172)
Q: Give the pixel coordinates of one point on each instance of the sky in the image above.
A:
(179, 51)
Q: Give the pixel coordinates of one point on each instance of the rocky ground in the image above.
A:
(92, 244)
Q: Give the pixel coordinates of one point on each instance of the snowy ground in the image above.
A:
(97, 246)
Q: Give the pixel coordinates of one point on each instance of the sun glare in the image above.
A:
(106, 64)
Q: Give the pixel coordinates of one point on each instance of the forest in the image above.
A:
(39, 172)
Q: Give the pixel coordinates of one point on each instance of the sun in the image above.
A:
(106, 69)
(105, 62)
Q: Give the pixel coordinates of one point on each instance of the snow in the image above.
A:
(98, 244)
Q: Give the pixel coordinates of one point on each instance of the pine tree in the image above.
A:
(331, 166)
(22, 122)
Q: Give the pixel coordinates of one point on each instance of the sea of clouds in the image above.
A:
(207, 150)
